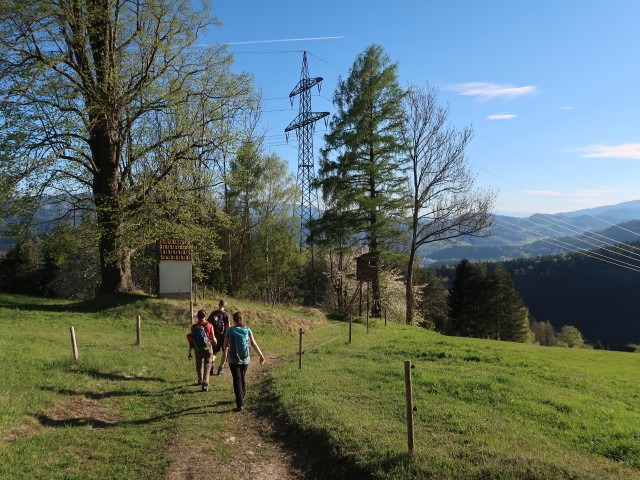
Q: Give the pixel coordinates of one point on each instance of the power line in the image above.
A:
(585, 232)
(579, 240)
(572, 248)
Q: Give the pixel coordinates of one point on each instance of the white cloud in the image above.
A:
(627, 150)
(489, 91)
(566, 108)
(546, 193)
(501, 116)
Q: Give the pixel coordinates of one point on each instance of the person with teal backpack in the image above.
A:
(238, 340)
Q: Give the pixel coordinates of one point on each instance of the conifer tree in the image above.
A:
(506, 316)
(434, 307)
(466, 300)
(361, 170)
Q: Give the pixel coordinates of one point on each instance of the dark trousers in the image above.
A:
(238, 372)
(203, 365)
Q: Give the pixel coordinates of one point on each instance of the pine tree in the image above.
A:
(361, 169)
(466, 307)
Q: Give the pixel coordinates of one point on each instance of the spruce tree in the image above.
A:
(434, 308)
(466, 297)
(506, 315)
(361, 169)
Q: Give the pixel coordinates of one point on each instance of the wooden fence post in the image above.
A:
(350, 327)
(74, 345)
(367, 317)
(409, 395)
(138, 330)
(300, 350)
(385, 317)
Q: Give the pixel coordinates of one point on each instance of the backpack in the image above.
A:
(240, 338)
(199, 337)
(218, 323)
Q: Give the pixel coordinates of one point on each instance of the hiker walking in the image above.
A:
(238, 340)
(202, 340)
(220, 321)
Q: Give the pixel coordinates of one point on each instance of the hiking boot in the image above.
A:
(205, 387)
(220, 371)
(238, 409)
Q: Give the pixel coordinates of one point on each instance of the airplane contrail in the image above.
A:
(276, 41)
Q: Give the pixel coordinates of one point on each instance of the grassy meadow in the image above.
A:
(120, 411)
(485, 410)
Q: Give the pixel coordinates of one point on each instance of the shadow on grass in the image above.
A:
(101, 395)
(315, 453)
(47, 421)
(94, 373)
(94, 305)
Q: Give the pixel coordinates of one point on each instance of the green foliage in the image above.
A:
(21, 269)
(113, 110)
(434, 302)
(466, 299)
(487, 306)
(570, 336)
(506, 316)
(361, 166)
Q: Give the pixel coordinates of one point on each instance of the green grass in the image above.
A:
(485, 410)
(121, 408)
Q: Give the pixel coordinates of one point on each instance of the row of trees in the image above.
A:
(486, 305)
(113, 111)
(393, 173)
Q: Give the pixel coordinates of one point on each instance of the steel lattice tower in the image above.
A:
(304, 125)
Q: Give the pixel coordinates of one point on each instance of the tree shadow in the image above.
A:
(313, 451)
(102, 395)
(47, 421)
(95, 373)
(94, 305)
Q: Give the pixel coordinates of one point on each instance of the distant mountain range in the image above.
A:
(543, 234)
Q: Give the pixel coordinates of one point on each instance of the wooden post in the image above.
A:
(367, 299)
(300, 350)
(350, 327)
(409, 395)
(191, 309)
(367, 307)
(74, 345)
(138, 330)
(385, 317)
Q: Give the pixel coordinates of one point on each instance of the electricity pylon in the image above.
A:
(304, 125)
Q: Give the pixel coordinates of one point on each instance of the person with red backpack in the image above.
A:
(202, 340)
(220, 321)
(238, 340)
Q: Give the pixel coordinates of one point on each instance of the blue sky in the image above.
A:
(550, 88)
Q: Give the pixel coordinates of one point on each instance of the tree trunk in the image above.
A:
(115, 264)
(409, 288)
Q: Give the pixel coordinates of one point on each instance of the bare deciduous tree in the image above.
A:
(445, 204)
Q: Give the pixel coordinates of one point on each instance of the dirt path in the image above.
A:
(259, 455)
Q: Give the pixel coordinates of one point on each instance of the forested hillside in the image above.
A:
(598, 297)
